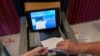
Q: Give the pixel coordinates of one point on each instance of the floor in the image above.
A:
(85, 32)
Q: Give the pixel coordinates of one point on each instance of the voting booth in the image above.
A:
(47, 24)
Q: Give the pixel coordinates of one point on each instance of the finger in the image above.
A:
(60, 43)
(60, 47)
(45, 51)
(34, 51)
(38, 49)
(63, 42)
(29, 53)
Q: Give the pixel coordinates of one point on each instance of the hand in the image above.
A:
(36, 52)
(68, 46)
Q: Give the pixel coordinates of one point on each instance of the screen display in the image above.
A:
(43, 19)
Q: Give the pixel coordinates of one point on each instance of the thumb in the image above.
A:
(38, 49)
(33, 52)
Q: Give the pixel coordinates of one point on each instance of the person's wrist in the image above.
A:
(78, 48)
(82, 48)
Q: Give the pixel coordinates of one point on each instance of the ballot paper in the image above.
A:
(51, 42)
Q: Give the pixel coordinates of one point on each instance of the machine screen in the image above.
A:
(43, 19)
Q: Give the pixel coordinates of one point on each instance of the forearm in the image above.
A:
(89, 48)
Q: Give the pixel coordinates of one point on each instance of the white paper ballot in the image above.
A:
(51, 42)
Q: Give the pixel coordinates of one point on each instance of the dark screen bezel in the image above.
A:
(29, 22)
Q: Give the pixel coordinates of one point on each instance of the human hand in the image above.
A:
(37, 52)
(68, 46)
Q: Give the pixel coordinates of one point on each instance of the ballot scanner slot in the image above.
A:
(49, 34)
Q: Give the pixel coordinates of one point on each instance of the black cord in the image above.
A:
(6, 51)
